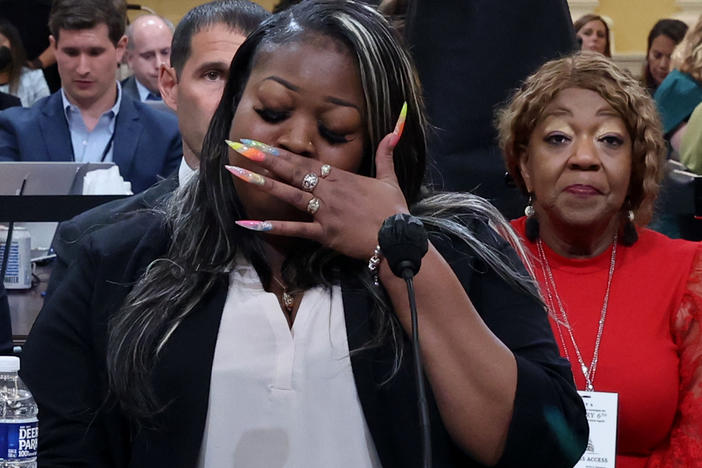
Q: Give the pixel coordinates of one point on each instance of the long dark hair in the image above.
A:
(673, 29)
(200, 216)
(17, 53)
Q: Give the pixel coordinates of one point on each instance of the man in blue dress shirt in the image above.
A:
(89, 119)
(203, 46)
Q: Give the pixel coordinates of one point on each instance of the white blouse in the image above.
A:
(32, 87)
(281, 396)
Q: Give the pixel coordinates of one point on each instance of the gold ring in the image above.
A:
(313, 205)
(324, 170)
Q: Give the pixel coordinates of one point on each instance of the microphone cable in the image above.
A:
(403, 242)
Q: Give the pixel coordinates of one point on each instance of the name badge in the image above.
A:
(601, 410)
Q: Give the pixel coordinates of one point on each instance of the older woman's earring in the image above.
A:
(532, 223)
(629, 234)
(529, 209)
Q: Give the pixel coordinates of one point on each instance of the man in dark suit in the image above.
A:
(129, 87)
(203, 47)
(148, 46)
(470, 56)
(90, 119)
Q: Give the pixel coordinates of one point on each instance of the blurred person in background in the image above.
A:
(593, 32)
(15, 78)
(677, 97)
(148, 47)
(31, 18)
(662, 39)
(681, 91)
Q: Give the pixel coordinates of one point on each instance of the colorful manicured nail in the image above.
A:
(255, 225)
(246, 151)
(262, 146)
(247, 176)
(400, 125)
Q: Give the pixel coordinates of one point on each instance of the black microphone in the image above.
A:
(403, 242)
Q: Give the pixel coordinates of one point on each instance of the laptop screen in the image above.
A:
(45, 178)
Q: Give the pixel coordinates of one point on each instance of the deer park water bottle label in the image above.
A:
(18, 439)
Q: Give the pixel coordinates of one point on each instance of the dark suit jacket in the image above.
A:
(129, 87)
(5, 322)
(69, 234)
(8, 100)
(470, 55)
(80, 426)
(147, 143)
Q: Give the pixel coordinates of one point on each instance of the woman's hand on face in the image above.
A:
(349, 208)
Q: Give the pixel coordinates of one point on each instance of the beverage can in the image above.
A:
(19, 264)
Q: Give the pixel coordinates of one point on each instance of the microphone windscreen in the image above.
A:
(403, 241)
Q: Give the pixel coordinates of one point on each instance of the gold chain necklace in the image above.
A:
(588, 371)
(288, 299)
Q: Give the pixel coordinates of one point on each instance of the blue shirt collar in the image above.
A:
(69, 107)
(143, 91)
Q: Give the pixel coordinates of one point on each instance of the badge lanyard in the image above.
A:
(600, 407)
(106, 150)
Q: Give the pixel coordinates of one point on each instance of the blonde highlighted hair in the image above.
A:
(517, 120)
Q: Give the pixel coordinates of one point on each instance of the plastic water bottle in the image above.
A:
(19, 432)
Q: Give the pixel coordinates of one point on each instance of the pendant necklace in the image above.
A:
(288, 299)
(588, 371)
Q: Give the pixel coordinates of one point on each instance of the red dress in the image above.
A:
(651, 345)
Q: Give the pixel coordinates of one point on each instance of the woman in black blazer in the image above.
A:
(123, 360)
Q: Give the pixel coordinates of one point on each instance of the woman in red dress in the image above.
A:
(583, 140)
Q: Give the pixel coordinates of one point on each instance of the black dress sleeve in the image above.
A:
(548, 427)
(63, 366)
(64, 358)
(5, 323)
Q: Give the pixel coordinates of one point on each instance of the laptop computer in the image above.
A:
(44, 178)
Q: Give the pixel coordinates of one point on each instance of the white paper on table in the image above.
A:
(106, 182)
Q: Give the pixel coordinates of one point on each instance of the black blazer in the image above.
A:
(5, 321)
(80, 426)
